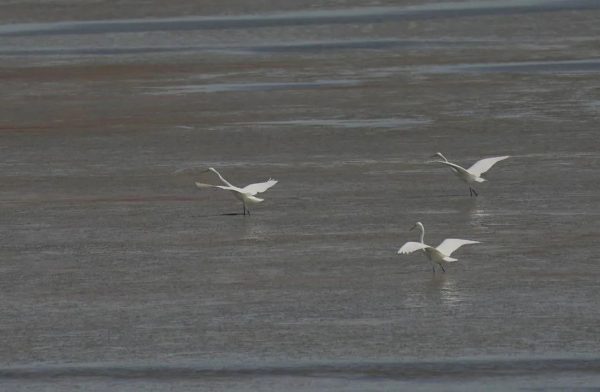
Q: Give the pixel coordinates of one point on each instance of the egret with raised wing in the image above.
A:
(472, 174)
(439, 255)
(246, 195)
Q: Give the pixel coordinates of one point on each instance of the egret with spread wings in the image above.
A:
(439, 255)
(246, 195)
(472, 174)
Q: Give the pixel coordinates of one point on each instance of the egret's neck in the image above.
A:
(422, 234)
(224, 181)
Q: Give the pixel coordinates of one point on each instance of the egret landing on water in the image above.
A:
(441, 254)
(472, 174)
(246, 195)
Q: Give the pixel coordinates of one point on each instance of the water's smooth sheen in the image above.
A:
(117, 274)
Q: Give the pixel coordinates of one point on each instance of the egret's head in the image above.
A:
(211, 169)
(418, 224)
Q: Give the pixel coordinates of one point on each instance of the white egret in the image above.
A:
(246, 195)
(472, 174)
(439, 255)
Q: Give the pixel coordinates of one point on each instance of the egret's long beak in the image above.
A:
(412, 228)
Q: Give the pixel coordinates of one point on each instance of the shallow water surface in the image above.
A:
(117, 273)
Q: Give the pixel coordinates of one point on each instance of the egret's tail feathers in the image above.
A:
(449, 259)
(479, 179)
(254, 199)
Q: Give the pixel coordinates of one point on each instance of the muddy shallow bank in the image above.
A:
(115, 269)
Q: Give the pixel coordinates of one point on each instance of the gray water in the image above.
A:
(117, 273)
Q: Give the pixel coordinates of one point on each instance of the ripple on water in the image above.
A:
(566, 66)
(392, 122)
(248, 87)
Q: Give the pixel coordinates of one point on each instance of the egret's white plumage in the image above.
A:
(260, 187)
(439, 255)
(472, 174)
(246, 195)
(450, 245)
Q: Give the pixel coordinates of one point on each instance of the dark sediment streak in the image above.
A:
(284, 48)
(364, 15)
(461, 369)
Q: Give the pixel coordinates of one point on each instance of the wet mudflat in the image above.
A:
(117, 273)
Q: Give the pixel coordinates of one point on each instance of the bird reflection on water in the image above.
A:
(476, 212)
(444, 289)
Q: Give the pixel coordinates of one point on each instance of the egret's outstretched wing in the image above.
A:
(454, 166)
(260, 187)
(227, 188)
(410, 247)
(484, 165)
(449, 245)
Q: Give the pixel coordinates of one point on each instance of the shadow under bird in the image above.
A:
(439, 255)
(472, 174)
(247, 194)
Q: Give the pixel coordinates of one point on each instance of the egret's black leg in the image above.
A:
(248, 211)
(470, 191)
(475, 192)
(244, 209)
(433, 268)
(443, 268)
